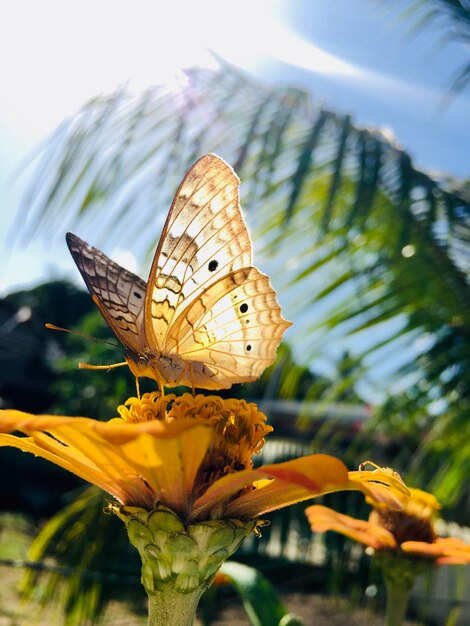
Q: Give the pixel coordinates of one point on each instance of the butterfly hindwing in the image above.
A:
(234, 327)
(204, 238)
(118, 293)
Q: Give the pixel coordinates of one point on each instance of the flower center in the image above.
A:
(403, 526)
(238, 427)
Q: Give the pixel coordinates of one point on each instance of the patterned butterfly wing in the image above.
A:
(233, 328)
(204, 238)
(118, 293)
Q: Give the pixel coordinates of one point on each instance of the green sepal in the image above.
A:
(184, 557)
(401, 568)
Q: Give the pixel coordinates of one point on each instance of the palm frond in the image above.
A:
(453, 17)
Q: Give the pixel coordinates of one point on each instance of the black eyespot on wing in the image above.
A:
(243, 308)
(137, 294)
(248, 348)
(213, 265)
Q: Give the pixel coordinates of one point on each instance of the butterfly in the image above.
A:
(207, 317)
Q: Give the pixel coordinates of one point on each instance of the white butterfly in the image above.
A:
(206, 318)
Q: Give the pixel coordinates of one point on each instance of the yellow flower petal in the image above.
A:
(291, 482)
(449, 550)
(400, 520)
(67, 459)
(187, 458)
(383, 486)
(321, 519)
(139, 463)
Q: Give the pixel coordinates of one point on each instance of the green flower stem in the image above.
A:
(179, 561)
(400, 572)
(398, 593)
(168, 607)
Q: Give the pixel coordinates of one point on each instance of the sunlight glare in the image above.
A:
(90, 48)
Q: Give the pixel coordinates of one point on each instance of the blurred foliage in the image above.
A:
(27, 349)
(453, 16)
(94, 567)
(91, 393)
(42, 373)
(262, 604)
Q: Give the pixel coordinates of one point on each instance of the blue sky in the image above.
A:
(356, 57)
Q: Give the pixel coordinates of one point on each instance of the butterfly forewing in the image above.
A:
(234, 327)
(119, 294)
(204, 238)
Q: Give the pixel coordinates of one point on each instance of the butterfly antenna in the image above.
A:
(76, 332)
(87, 366)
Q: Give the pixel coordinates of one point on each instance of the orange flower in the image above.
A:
(181, 470)
(190, 454)
(408, 532)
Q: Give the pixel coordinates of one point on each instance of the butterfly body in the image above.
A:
(169, 370)
(206, 318)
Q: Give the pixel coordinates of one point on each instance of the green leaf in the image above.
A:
(260, 599)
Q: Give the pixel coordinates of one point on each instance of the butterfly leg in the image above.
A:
(137, 387)
(191, 375)
(188, 368)
(161, 389)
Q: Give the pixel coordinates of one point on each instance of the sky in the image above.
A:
(356, 57)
